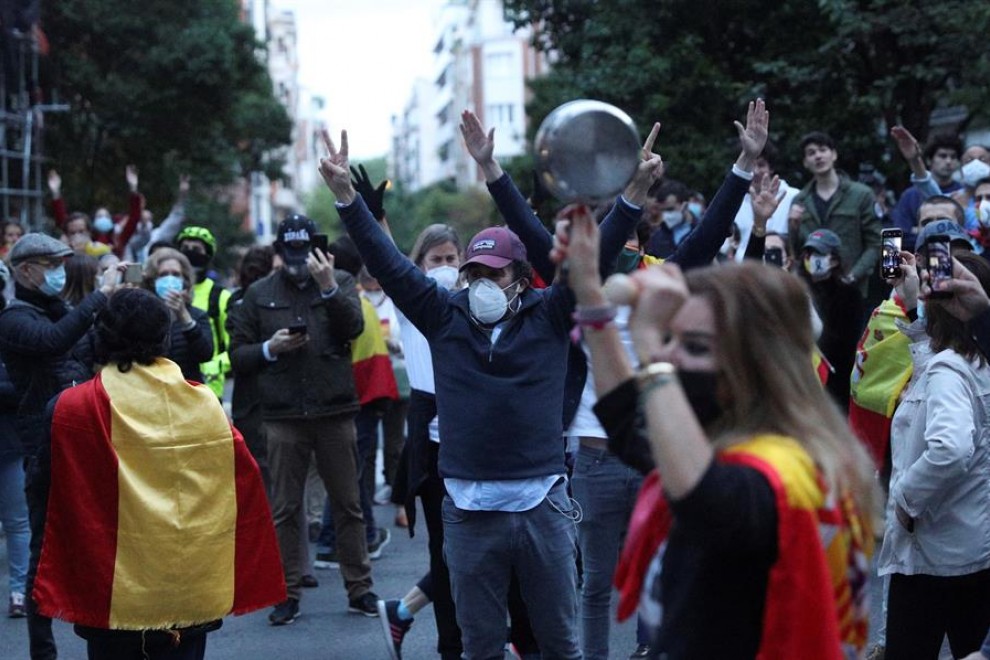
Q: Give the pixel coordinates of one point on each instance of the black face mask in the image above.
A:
(700, 388)
(198, 260)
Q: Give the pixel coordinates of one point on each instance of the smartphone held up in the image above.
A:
(890, 260)
(939, 264)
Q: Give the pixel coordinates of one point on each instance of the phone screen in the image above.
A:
(320, 241)
(939, 263)
(133, 274)
(890, 263)
(774, 256)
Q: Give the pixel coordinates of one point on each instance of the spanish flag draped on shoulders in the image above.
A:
(882, 370)
(815, 599)
(155, 495)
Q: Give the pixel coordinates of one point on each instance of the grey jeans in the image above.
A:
(484, 548)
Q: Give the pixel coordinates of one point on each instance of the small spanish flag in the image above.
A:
(157, 516)
(373, 375)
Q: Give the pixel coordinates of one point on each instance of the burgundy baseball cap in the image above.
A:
(495, 247)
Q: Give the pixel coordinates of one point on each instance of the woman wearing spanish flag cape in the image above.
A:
(751, 537)
(157, 524)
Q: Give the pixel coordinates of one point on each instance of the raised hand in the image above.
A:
(480, 145)
(968, 300)
(55, 183)
(334, 169)
(661, 292)
(320, 265)
(764, 199)
(753, 136)
(131, 174)
(575, 243)
(906, 143)
(373, 197)
(649, 170)
(910, 150)
(183, 185)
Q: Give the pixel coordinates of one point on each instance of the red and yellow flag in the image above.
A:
(157, 515)
(815, 603)
(882, 370)
(373, 375)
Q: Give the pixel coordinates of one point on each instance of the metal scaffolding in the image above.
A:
(21, 130)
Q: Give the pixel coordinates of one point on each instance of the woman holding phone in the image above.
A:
(169, 275)
(936, 548)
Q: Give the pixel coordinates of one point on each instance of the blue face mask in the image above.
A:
(695, 209)
(54, 281)
(167, 283)
(103, 224)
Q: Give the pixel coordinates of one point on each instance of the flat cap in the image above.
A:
(37, 246)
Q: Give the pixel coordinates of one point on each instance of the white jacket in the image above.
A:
(940, 445)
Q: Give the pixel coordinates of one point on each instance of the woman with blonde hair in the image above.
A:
(760, 540)
(169, 275)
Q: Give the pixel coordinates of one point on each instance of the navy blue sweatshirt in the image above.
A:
(499, 405)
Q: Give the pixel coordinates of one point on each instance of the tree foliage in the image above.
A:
(850, 67)
(169, 85)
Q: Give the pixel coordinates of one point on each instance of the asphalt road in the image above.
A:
(324, 630)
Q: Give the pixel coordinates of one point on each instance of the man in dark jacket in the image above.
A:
(37, 333)
(292, 330)
(499, 358)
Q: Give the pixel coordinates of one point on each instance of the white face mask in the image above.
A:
(973, 171)
(818, 266)
(445, 276)
(487, 301)
(983, 213)
(672, 218)
(376, 298)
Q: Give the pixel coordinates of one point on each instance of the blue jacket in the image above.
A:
(499, 405)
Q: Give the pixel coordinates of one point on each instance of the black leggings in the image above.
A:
(922, 609)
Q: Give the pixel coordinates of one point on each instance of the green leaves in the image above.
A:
(845, 66)
(170, 85)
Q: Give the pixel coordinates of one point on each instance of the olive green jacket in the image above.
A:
(850, 215)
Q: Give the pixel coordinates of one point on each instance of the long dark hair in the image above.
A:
(948, 332)
(132, 328)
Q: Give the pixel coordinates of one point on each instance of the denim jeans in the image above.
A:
(606, 488)
(366, 426)
(14, 516)
(484, 548)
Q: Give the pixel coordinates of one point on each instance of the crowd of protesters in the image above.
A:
(708, 424)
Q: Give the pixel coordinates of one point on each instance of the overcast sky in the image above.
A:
(362, 57)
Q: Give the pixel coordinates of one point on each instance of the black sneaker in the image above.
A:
(642, 651)
(395, 629)
(382, 537)
(366, 604)
(326, 560)
(284, 613)
(308, 582)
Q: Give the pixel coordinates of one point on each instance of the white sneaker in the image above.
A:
(383, 495)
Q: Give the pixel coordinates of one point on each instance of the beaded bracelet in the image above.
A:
(594, 317)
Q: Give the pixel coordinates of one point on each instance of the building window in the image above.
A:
(500, 113)
(498, 65)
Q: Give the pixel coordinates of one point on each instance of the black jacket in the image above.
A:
(315, 380)
(37, 335)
